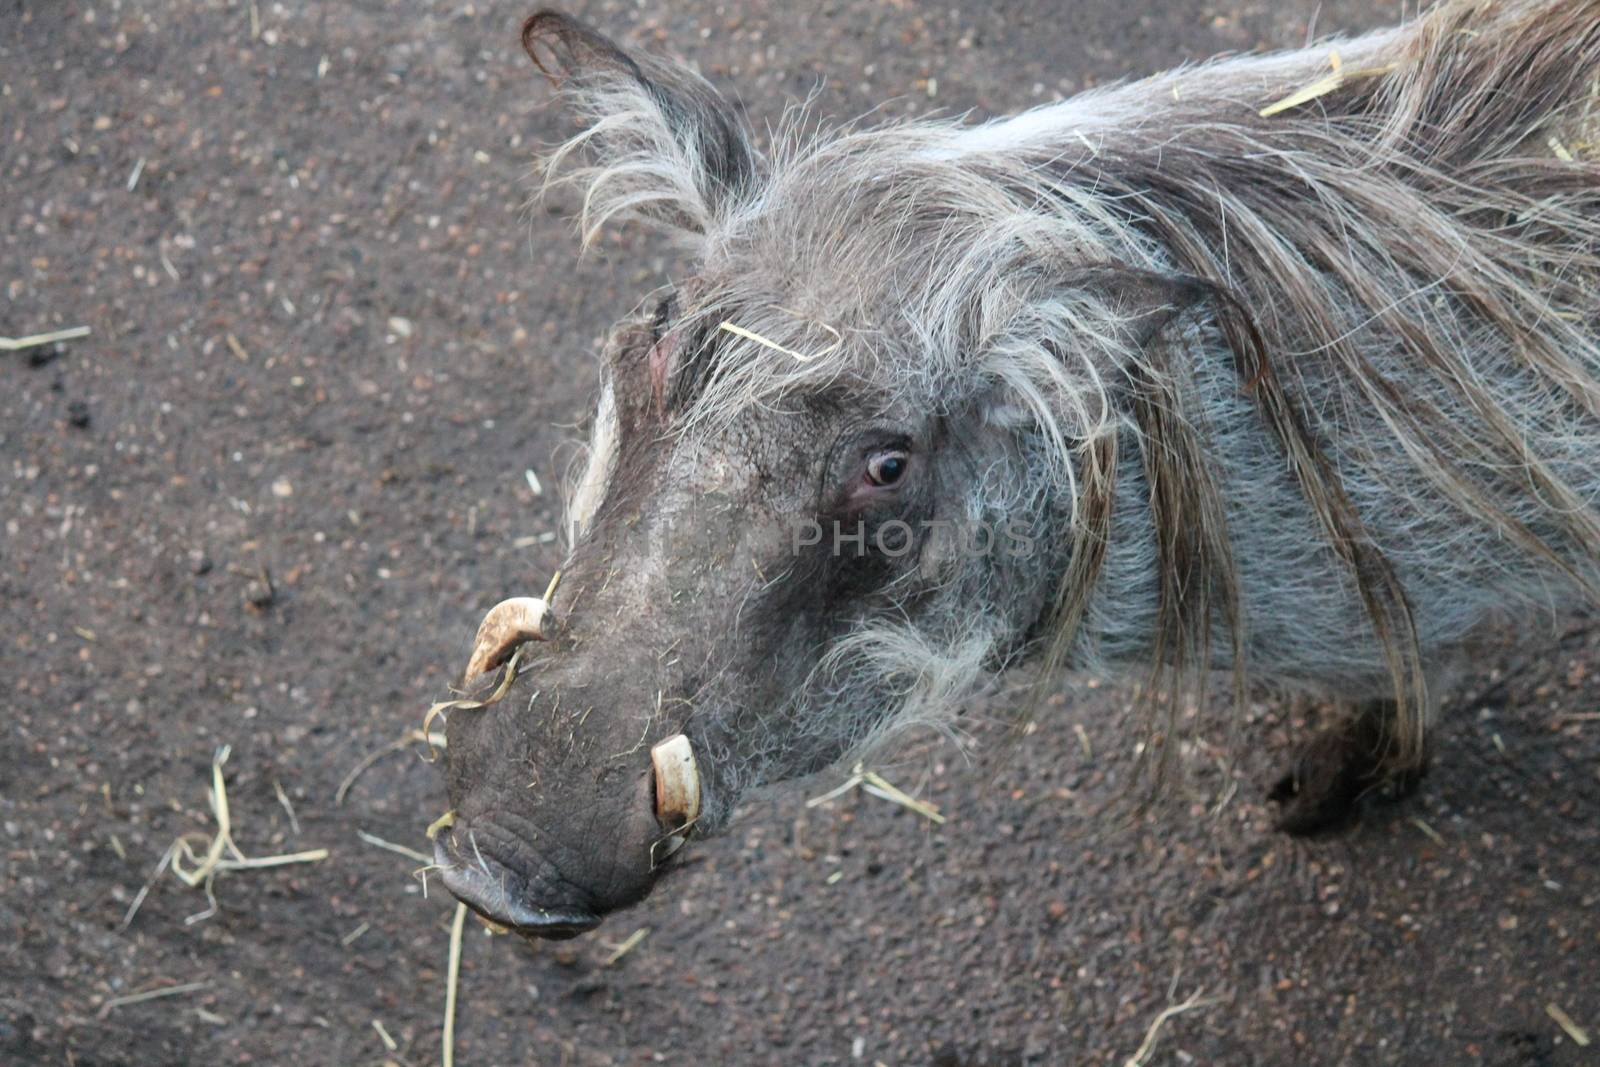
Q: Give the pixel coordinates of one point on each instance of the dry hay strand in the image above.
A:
(150, 994)
(1579, 1035)
(508, 675)
(728, 326)
(1152, 1035)
(443, 822)
(410, 853)
(221, 853)
(388, 1042)
(410, 737)
(874, 784)
(1323, 86)
(452, 977)
(17, 344)
(627, 946)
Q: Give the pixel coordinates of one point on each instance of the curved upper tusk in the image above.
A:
(677, 782)
(509, 624)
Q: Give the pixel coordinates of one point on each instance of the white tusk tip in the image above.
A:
(677, 782)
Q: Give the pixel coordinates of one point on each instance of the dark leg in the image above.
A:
(1337, 768)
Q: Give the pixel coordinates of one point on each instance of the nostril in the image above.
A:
(495, 892)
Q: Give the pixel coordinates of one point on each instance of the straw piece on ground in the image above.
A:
(288, 807)
(874, 784)
(388, 1042)
(17, 344)
(221, 853)
(1433, 835)
(138, 899)
(399, 744)
(838, 791)
(150, 994)
(1579, 1035)
(378, 842)
(451, 977)
(627, 946)
(1152, 1035)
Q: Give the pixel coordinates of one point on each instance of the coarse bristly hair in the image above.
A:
(1320, 387)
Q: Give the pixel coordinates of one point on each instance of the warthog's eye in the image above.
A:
(885, 469)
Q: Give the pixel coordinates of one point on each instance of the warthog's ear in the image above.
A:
(1144, 303)
(664, 145)
(1085, 330)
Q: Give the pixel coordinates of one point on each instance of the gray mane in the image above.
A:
(1335, 366)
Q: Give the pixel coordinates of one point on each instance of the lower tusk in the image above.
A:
(677, 783)
(509, 624)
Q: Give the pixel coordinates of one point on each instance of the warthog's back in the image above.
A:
(1412, 442)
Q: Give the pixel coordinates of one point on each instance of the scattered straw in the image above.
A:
(17, 344)
(221, 853)
(1562, 152)
(451, 977)
(874, 784)
(1432, 834)
(751, 335)
(283, 800)
(1323, 86)
(1579, 1035)
(627, 946)
(378, 842)
(150, 994)
(388, 1042)
(1141, 1057)
(1083, 739)
(354, 935)
(144, 891)
(433, 741)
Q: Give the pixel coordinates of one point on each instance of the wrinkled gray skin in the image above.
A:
(1148, 339)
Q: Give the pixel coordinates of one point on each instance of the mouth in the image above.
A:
(493, 892)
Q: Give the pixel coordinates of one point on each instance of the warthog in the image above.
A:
(1275, 369)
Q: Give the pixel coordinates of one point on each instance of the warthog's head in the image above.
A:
(831, 485)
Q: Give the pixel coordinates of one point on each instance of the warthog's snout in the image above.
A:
(558, 875)
(536, 904)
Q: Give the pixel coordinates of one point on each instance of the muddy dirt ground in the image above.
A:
(327, 343)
